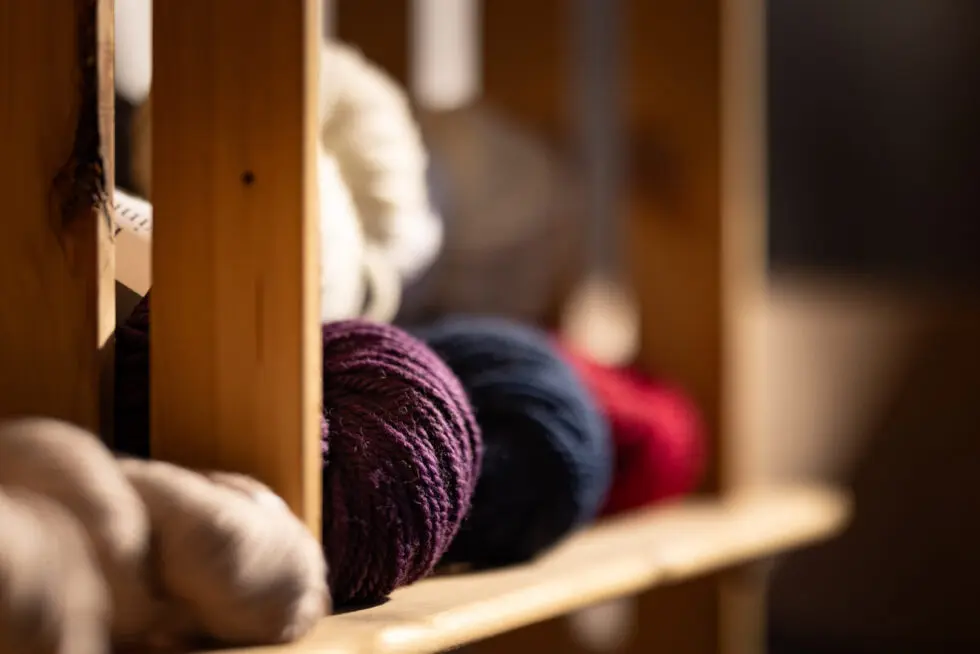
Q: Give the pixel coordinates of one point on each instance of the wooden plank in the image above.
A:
(675, 236)
(696, 238)
(235, 379)
(526, 64)
(57, 282)
(623, 556)
(744, 592)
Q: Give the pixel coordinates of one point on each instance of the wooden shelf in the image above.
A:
(619, 557)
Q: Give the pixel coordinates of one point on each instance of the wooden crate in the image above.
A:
(236, 352)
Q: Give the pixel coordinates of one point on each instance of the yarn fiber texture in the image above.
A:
(401, 455)
(354, 281)
(548, 461)
(367, 124)
(657, 433)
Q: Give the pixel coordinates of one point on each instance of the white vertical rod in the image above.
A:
(446, 53)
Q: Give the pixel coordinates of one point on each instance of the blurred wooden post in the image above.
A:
(57, 309)
(235, 337)
(697, 242)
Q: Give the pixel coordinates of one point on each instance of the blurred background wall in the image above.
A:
(874, 372)
(874, 131)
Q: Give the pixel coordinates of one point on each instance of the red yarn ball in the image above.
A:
(657, 433)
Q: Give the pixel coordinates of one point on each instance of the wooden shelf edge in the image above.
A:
(619, 557)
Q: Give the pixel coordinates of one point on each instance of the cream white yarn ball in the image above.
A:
(342, 287)
(356, 280)
(367, 124)
(133, 49)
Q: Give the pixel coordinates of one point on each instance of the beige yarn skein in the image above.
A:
(72, 468)
(53, 599)
(237, 564)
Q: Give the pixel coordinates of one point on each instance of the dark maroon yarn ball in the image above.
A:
(402, 459)
(131, 436)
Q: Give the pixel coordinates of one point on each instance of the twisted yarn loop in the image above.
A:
(367, 124)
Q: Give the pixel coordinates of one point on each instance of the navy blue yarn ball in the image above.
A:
(548, 460)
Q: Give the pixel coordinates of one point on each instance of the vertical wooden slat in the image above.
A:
(744, 592)
(675, 231)
(56, 286)
(235, 349)
(696, 236)
(673, 237)
(526, 67)
(105, 263)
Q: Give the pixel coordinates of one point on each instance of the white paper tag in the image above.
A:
(134, 236)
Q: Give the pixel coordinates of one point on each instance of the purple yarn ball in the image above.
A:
(402, 454)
